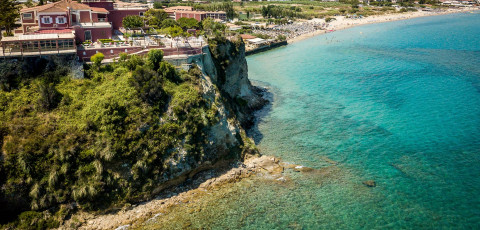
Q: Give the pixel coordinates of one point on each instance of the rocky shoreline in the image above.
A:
(132, 216)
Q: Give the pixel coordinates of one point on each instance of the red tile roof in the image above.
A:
(58, 7)
(191, 12)
(99, 10)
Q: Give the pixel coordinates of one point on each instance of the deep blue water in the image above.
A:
(398, 103)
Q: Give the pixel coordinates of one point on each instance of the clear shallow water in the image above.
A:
(398, 103)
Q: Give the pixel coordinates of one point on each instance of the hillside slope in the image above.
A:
(120, 135)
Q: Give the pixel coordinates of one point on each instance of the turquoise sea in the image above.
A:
(396, 102)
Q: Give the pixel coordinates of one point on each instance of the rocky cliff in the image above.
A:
(122, 134)
(225, 85)
(225, 64)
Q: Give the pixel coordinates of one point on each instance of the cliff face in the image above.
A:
(224, 62)
(225, 85)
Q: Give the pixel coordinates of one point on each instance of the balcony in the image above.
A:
(36, 45)
(95, 25)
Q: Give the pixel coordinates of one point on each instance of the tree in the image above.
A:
(97, 59)
(155, 17)
(133, 62)
(167, 70)
(188, 23)
(213, 27)
(149, 85)
(132, 21)
(230, 12)
(175, 31)
(154, 58)
(10, 11)
(207, 25)
(122, 57)
(168, 23)
(157, 5)
(29, 3)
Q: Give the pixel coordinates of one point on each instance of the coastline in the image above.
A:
(132, 216)
(341, 23)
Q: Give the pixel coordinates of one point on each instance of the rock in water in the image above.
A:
(370, 183)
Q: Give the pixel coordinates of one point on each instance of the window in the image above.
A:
(88, 35)
(141, 14)
(47, 20)
(48, 45)
(61, 20)
(27, 16)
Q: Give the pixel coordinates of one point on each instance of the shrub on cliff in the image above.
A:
(49, 96)
(148, 84)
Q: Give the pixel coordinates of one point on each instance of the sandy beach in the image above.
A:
(341, 22)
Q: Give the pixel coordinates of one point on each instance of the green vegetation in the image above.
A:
(107, 40)
(155, 17)
(274, 11)
(97, 59)
(98, 142)
(213, 28)
(188, 23)
(132, 22)
(10, 13)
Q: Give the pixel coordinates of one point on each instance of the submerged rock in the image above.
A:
(370, 183)
(301, 168)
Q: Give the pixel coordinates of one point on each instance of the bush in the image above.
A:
(106, 40)
(122, 57)
(97, 59)
(36, 220)
(7, 34)
(148, 85)
(329, 19)
(8, 76)
(134, 61)
(281, 37)
(154, 57)
(49, 96)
